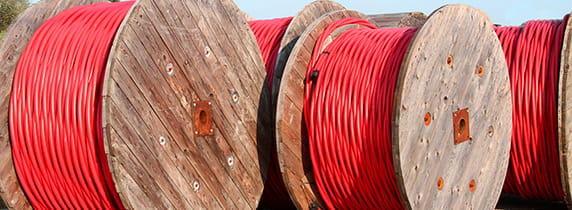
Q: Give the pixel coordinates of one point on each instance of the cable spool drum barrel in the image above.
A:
(453, 83)
(181, 108)
(11, 47)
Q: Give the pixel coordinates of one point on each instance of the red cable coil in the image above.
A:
(55, 110)
(269, 35)
(348, 108)
(532, 53)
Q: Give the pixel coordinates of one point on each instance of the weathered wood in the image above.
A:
(439, 76)
(166, 56)
(565, 114)
(427, 83)
(11, 47)
(406, 19)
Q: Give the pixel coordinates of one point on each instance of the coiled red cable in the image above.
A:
(55, 110)
(348, 108)
(269, 35)
(533, 56)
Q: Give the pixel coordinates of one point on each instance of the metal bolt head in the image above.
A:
(230, 161)
(162, 140)
(235, 97)
(196, 186)
(208, 52)
(170, 69)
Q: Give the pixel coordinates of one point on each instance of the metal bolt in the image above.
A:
(211, 130)
(235, 97)
(170, 69)
(196, 133)
(491, 131)
(208, 52)
(196, 186)
(230, 161)
(162, 140)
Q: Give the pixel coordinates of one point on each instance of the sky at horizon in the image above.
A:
(504, 12)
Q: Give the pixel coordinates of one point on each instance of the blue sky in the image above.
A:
(505, 12)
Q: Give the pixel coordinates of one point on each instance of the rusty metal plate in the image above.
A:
(461, 126)
(203, 118)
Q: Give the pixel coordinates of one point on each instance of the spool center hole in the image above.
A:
(203, 116)
(461, 126)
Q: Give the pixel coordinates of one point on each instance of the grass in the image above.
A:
(2, 34)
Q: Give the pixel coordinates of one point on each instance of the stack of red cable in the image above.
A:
(532, 53)
(55, 110)
(348, 107)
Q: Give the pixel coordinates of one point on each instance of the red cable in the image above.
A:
(55, 110)
(532, 53)
(348, 108)
(269, 35)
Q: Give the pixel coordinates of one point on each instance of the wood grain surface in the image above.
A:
(565, 114)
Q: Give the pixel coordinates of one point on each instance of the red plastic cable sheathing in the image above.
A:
(348, 108)
(269, 34)
(55, 110)
(532, 53)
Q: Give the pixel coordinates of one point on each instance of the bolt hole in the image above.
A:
(472, 185)
(427, 118)
(450, 60)
(440, 183)
(481, 71)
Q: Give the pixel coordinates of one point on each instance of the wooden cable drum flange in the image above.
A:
(565, 114)
(406, 19)
(13, 43)
(182, 98)
(446, 116)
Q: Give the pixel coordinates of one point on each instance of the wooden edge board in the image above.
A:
(167, 57)
(13, 43)
(405, 19)
(439, 78)
(565, 114)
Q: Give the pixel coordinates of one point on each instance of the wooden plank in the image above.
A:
(11, 47)
(291, 143)
(428, 83)
(565, 114)
(212, 55)
(406, 19)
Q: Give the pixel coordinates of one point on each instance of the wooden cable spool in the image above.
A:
(182, 106)
(565, 114)
(446, 115)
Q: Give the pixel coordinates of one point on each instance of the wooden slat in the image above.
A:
(213, 54)
(406, 19)
(428, 84)
(565, 114)
(11, 47)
